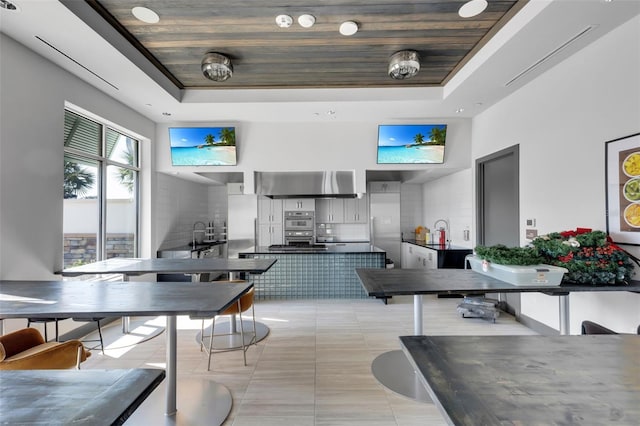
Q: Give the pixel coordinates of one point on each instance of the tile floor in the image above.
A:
(314, 368)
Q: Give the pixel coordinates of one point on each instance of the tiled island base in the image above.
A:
(325, 275)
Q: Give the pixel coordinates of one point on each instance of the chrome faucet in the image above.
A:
(197, 229)
(446, 228)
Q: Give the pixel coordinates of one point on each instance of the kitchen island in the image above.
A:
(327, 273)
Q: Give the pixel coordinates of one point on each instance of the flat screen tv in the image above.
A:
(411, 143)
(203, 146)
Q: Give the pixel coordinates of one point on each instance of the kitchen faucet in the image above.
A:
(197, 229)
(446, 224)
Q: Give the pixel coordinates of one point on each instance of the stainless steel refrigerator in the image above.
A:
(385, 224)
(241, 223)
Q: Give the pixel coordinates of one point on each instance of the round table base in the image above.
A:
(394, 371)
(232, 341)
(198, 400)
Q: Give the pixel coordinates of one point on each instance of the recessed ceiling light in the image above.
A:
(348, 28)
(284, 21)
(306, 20)
(145, 15)
(472, 8)
(6, 4)
(459, 110)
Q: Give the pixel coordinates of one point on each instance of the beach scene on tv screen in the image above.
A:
(203, 146)
(414, 143)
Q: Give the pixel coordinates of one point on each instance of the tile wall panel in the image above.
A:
(314, 276)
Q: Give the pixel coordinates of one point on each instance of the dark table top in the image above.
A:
(436, 246)
(396, 282)
(132, 266)
(86, 299)
(78, 397)
(330, 248)
(191, 247)
(530, 380)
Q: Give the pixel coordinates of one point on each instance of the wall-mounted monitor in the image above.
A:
(411, 143)
(203, 146)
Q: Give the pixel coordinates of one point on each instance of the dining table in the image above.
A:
(392, 368)
(86, 299)
(530, 380)
(131, 267)
(74, 397)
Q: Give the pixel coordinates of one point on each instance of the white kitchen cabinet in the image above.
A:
(355, 210)
(300, 204)
(330, 210)
(235, 188)
(269, 234)
(384, 186)
(416, 257)
(269, 211)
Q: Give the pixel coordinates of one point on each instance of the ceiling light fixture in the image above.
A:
(145, 14)
(306, 20)
(472, 8)
(284, 21)
(348, 28)
(404, 64)
(6, 4)
(216, 66)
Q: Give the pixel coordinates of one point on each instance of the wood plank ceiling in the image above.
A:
(267, 56)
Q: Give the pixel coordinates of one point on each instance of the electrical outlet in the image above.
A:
(531, 234)
(531, 222)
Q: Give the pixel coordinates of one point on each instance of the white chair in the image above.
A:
(244, 303)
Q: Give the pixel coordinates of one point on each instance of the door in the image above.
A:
(498, 206)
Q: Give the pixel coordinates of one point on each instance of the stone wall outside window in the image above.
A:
(81, 248)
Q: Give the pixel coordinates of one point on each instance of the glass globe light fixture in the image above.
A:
(216, 66)
(404, 64)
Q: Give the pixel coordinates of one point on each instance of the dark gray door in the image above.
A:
(497, 183)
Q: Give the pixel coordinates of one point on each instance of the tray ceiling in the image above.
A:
(267, 56)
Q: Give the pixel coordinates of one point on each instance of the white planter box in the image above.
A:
(532, 275)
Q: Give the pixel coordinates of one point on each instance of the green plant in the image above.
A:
(590, 256)
(504, 255)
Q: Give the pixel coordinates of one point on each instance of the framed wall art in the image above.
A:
(622, 177)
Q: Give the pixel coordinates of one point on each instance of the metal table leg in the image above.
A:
(564, 315)
(394, 370)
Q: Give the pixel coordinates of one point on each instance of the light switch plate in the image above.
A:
(532, 233)
(531, 222)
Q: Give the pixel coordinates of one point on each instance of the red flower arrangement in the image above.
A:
(589, 256)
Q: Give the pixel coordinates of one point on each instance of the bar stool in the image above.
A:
(45, 321)
(244, 303)
(96, 320)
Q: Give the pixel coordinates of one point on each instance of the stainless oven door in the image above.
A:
(298, 224)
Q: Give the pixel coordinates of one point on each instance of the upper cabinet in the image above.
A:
(269, 211)
(330, 210)
(235, 188)
(355, 210)
(302, 204)
(384, 186)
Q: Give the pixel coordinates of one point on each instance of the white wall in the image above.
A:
(32, 101)
(179, 205)
(561, 121)
(450, 198)
(411, 209)
(315, 146)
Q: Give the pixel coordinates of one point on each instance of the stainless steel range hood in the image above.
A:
(331, 184)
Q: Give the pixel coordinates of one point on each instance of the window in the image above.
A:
(101, 168)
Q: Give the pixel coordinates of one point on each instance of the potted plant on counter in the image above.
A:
(584, 256)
